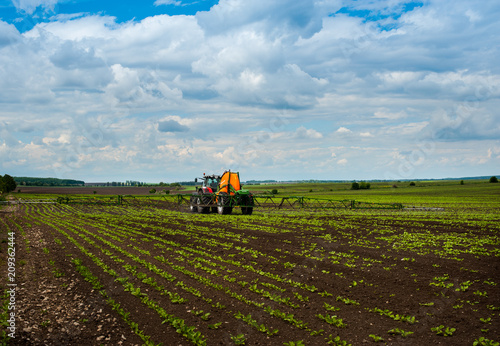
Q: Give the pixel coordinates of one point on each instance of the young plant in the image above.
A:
(441, 330)
(317, 332)
(238, 339)
(294, 343)
(333, 320)
(486, 320)
(215, 325)
(482, 341)
(397, 331)
(376, 338)
(336, 341)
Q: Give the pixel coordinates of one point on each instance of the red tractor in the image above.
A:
(221, 194)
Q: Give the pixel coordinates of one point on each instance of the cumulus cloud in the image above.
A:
(69, 56)
(303, 133)
(343, 130)
(278, 19)
(477, 125)
(8, 34)
(171, 126)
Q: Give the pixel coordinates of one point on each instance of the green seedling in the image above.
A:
(444, 331)
(397, 331)
(45, 323)
(482, 341)
(336, 341)
(376, 338)
(317, 332)
(238, 339)
(486, 320)
(294, 343)
(215, 325)
(481, 294)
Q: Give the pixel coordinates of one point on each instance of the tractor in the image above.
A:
(221, 194)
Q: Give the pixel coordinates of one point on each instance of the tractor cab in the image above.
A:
(210, 183)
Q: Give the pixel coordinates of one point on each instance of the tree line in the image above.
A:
(29, 181)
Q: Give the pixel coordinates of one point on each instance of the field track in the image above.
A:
(133, 275)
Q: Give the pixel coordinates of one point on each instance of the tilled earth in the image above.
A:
(56, 306)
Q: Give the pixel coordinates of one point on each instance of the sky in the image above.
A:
(166, 90)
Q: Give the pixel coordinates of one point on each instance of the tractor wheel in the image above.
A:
(192, 205)
(201, 209)
(223, 204)
(249, 209)
(204, 197)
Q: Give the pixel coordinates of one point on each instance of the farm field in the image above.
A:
(155, 274)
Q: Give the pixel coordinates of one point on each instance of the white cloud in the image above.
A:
(167, 2)
(278, 19)
(171, 126)
(29, 6)
(384, 114)
(303, 133)
(343, 130)
(8, 34)
(251, 80)
(406, 129)
(88, 27)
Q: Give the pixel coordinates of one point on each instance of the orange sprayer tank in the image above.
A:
(229, 179)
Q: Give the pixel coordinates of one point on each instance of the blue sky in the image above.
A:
(321, 89)
(26, 14)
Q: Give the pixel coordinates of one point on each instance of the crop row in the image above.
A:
(286, 277)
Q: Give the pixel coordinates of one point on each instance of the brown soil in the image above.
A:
(79, 315)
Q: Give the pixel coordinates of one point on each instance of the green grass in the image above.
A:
(448, 194)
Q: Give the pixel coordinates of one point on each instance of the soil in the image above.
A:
(64, 309)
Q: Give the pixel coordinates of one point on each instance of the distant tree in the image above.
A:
(360, 186)
(152, 191)
(7, 183)
(274, 191)
(363, 185)
(493, 180)
(462, 182)
(412, 183)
